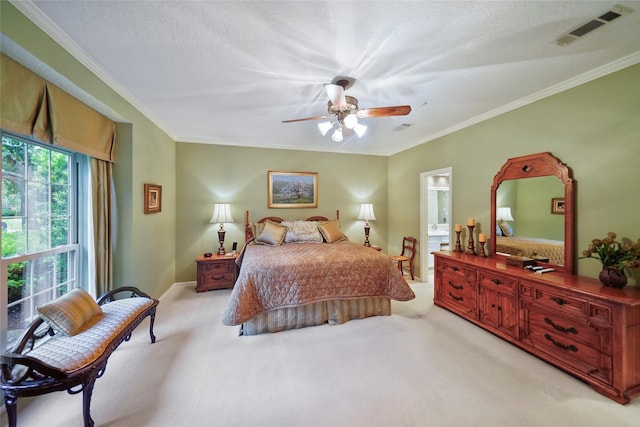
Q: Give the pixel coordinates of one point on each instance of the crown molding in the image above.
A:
(49, 27)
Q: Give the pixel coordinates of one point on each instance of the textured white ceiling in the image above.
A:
(228, 72)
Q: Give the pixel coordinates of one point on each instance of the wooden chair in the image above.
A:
(407, 255)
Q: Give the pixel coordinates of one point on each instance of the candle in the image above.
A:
(482, 237)
(471, 222)
(458, 227)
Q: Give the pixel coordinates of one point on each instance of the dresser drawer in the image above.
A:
(457, 294)
(576, 354)
(568, 305)
(457, 270)
(570, 330)
(497, 282)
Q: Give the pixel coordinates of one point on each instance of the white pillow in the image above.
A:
(302, 232)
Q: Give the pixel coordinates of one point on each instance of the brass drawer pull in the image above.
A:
(571, 330)
(560, 345)
(496, 281)
(559, 301)
(216, 277)
(458, 287)
(455, 297)
(454, 268)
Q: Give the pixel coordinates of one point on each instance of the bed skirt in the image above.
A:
(333, 312)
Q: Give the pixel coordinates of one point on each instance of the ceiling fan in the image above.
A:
(343, 112)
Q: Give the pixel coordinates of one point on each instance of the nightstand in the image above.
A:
(216, 272)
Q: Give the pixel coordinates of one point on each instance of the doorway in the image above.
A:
(436, 188)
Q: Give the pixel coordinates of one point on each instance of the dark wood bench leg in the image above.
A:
(151, 322)
(87, 391)
(11, 403)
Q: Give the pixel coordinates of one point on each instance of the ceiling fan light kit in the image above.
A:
(343, 113)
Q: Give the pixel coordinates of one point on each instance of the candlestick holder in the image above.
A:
(458, 247)
(471, 247)
(482, 252)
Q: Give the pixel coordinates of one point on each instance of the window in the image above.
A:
(40, 250)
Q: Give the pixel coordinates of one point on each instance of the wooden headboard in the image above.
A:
(248, 231)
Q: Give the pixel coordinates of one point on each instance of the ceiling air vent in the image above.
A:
(402, 127)
(592, 25)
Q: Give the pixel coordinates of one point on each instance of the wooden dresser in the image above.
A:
(572, 322)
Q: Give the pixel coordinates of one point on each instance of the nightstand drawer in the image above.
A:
(218, 267)
(218, 279)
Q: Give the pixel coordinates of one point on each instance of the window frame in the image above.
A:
(76, 238)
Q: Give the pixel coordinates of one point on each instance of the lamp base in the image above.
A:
(221, 250)
(366, 235)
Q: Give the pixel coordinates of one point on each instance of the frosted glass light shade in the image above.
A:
(350, 121)
(337, 135)
(324, 127)
(360, 130)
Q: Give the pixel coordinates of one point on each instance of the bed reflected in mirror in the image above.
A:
(532, 210)
(526, 225)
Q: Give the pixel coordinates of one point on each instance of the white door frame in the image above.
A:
(424, 221)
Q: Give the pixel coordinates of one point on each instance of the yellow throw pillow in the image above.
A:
(273, 234)
(331, 232)
(70, 312)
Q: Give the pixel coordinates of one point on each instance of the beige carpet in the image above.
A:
(422, 366)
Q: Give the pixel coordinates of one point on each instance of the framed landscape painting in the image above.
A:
(293, 189)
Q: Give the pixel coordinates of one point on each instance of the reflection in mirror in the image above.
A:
(525, 219)
(532, 210)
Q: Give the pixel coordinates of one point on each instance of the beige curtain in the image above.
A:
(29, 105)
(23, 101)
(101, 178)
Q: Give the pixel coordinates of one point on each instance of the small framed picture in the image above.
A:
(152, 198)
(557, 205)
(293, 189)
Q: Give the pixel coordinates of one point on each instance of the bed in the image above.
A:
(305, 280)
(529, 246)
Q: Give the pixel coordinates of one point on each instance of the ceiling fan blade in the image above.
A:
(336, 95)
(306, 118)
(400, 110)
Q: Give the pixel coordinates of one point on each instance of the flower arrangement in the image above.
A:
(614, 254)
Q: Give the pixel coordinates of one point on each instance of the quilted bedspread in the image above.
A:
(300, 273)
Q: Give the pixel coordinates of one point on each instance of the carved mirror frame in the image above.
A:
(531, 166)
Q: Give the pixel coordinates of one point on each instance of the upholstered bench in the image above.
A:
(67, 346)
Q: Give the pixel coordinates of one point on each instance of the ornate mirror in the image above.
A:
(532, 208)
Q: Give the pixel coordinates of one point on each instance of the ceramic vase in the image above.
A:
(612, 277)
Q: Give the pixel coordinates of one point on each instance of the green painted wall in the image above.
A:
(144, 254)
(209, 174)
(593, 128)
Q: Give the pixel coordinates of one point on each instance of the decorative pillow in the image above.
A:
(302, 232)
(331, 232)
(506, 229)
(273, 234)
(498, 229)
(257, 228)
(70, 312)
